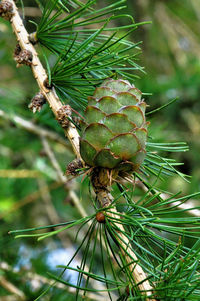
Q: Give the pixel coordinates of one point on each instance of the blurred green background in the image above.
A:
(171, 57)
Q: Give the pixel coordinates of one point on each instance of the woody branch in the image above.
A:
(29, 56)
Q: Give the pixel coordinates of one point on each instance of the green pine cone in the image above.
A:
(114, 131)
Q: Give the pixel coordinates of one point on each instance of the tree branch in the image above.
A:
(41, 77)
(35, 129)
(10, 287)
(102, 180)
(104, 197)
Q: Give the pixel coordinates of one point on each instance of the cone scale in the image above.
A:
(114, 131)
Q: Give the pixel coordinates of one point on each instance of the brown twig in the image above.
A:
(35, 129)
(32, 197)
(10, 287)
(19, 173)
(41, 77)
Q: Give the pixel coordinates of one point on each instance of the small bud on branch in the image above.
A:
(22, 56)
(6, 9)
(37, 102)
(62, 116)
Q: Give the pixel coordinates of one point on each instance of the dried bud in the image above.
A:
(22, 56)
(73, 166)
(17, 50)
(6, 9)
(100, 217)
(62, 115)
(37, 102)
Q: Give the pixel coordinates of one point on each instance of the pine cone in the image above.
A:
(114, 132)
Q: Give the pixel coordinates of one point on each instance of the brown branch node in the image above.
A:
(6, 9)
(62, 115)
(73, 166)
(22, 56)
(37, 102)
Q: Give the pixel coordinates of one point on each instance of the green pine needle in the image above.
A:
(86, 56)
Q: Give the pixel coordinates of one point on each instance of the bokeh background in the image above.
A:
(29, 193)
